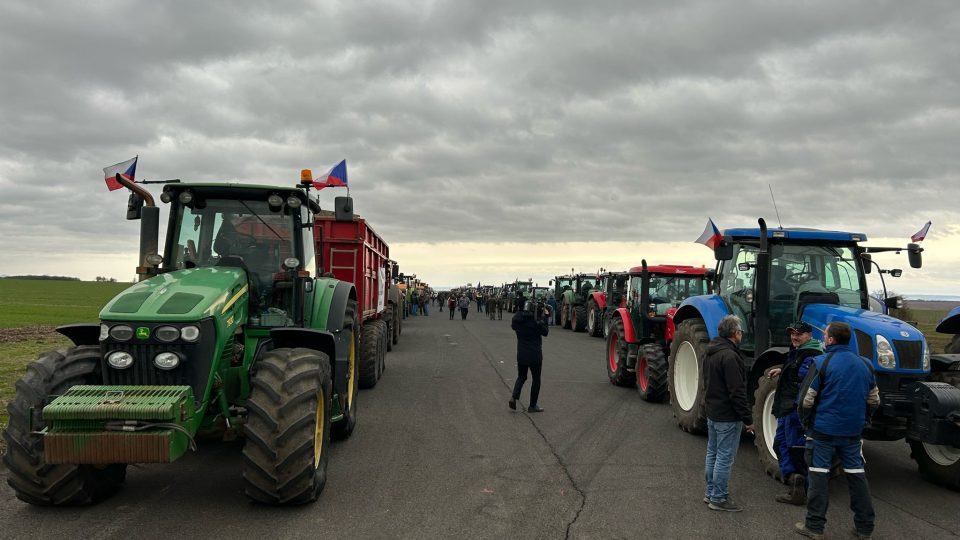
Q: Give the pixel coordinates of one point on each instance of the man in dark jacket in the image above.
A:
(842, 391)
(725, 401)
(530, 328)
(789, 431)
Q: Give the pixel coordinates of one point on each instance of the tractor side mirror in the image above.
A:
(134, 206)
(343, 207)
(723, 251)
(867, 262)
(913, 255)
(894, 302)
(896, 272)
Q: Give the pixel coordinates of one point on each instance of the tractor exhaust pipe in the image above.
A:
(761, 294)
(149, 228)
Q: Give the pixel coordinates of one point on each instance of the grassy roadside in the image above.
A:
(14, 357)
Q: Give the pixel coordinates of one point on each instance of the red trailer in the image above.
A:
(353, 252)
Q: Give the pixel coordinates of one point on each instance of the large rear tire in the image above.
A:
(687, 352)
(594, 319)
(288, 427)
(652, 367)
(765, 424)
(348, 401)
(33, 480)
(370, 341)
(578, 321)
(937, 462)
(616, 360)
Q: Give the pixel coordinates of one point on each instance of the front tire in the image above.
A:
(617, 357)
(288, 427)
(578, 321)
(765, 424)
(33, 480)
(687, 352)
(652, 368)
(348, 401)
(594, 319)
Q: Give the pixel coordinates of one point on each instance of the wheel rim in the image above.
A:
(591, 322)
(612, 352)
(769, 423)
(642, 380)
(941, 454)
(351, 371)
(686, 376)
(318, 429)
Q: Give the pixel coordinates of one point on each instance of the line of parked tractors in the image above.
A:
(658, 319)
(262, 316)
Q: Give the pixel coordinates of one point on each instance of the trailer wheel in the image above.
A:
(765, 424)
(369, 368)
(288, 427)
(33, 480)
(617, 356)
(594, 319)
(348, 402)
(578, 319)
(385, 340)
(652, 367)
(687, 352)
(396, 326)
(388, 331)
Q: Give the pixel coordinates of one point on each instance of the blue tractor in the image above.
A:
(769, 278)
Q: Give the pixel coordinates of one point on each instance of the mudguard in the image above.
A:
(671, 326)
(711, 308)
(629, 333)
(600, 299)
(951, 323)
(81, 333)
(329, 309)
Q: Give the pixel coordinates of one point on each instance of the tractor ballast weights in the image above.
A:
(936, 412)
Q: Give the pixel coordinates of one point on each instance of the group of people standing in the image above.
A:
(822, 401)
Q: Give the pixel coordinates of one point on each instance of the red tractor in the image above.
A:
(638, 342)
(607, 297)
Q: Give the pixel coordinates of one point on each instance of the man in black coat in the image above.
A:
(530, 330)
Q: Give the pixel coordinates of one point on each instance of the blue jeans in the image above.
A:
(820, 457)
(722, 441)
(413, 308)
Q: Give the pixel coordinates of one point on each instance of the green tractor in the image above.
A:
(228, 333)
(572, 292)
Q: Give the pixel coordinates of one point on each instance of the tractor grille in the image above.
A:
(864, 345)
(909, 353)
(193, 371)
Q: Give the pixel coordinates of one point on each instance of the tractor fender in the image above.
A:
(944, 362)
(81, 333)
(774, 356)
(629, 333)
(599, 298)
(329, 309)
(950, 324)
(671, 328)
(711, 308)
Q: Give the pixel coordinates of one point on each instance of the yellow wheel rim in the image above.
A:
(318, 435)
(351, 372)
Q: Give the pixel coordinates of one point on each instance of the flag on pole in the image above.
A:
(335, 177)
(922, 233)
(127, 169)
(711, 235)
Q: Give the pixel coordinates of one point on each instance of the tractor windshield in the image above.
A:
(239, 233)
(668, 291)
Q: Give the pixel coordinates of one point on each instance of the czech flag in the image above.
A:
(127, 169)
(922, 233)
(335, 177)
(711, 236)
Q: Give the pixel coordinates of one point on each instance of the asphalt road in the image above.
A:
(437, 454)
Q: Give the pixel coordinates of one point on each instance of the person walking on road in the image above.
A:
(727, 409)
(789, 441)
(492, 306)
(531, 328)
(451, 305)
(464, 306)
(837, 395)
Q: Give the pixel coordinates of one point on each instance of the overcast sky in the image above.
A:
(552, 124)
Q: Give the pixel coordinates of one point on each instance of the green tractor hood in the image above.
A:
(182, 295)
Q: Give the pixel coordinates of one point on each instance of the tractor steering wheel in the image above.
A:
(798, 277)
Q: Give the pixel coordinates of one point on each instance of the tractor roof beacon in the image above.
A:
(230, 332)
(771, 277)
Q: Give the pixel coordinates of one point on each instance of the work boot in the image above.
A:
(512, 404)
(797, 494)
(801, 529)
(534, 408)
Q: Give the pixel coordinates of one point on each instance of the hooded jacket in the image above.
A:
(725, 383)
(788, 385)
(530, 334)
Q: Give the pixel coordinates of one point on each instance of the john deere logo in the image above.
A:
(143, 332)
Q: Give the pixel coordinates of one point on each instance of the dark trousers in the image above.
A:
(820, 452)
(534, 385)
(790, 436)
(451, 313)
(463, 313)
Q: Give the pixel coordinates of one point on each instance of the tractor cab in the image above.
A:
(654, 293)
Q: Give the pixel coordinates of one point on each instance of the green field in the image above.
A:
(27, 302)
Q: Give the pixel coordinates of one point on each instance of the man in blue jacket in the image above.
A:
(841, 391)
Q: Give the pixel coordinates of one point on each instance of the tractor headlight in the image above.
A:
(104, 332)
(190, 333)
(121, 332)
(120, 360)
(926, 356)
(167, 334)
(166, 360)
(885, 355)
(293, 202)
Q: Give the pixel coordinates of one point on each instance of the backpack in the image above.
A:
(808, 416)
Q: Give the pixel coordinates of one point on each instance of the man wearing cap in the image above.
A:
(790, 433)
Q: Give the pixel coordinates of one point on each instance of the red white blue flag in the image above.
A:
(335, 177)
(127, 169)
(711, 236)
(922, 233)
